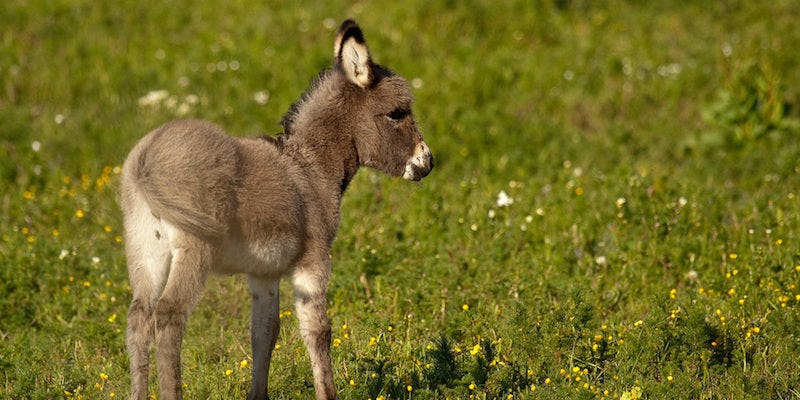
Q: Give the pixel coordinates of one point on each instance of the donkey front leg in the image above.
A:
(310, 287)
(264, 327)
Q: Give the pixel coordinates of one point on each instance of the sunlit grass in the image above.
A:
(613, 214)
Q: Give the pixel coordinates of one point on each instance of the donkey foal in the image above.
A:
(197, 201)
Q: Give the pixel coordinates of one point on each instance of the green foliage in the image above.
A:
(645, 244)
(750, 106)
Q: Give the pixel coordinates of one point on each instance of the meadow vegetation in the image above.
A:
(613, 214)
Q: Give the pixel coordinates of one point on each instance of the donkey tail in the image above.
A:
(181, 213)
(181, 180)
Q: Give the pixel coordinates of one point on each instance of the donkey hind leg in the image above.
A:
(148, 262)
(265, 324)
(311, 304)
(191, 263)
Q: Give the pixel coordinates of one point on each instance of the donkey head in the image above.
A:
(386, 138)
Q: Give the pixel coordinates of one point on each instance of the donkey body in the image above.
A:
(197, 201)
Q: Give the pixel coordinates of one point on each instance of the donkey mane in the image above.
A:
(308, 95)
(325, 77)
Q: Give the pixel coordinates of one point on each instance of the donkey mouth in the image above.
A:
(420, 164)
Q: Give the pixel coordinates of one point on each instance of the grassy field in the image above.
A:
(614, 211)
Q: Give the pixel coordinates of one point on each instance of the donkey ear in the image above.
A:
(352, 54)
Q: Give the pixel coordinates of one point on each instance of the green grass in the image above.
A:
(650, 149)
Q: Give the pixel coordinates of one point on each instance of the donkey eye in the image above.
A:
(398, 114)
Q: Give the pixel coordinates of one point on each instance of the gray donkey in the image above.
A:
(197, 201)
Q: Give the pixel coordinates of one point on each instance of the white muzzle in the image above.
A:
(420, 164)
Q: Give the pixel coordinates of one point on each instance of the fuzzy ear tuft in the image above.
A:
(352, 54)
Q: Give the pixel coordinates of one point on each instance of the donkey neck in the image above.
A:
(319, 133)
(328, 157)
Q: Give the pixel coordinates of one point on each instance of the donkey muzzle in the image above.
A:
(420, 164)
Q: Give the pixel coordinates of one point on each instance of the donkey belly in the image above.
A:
(271, 258)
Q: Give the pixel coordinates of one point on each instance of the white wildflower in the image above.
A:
(503, 199)
(171, 102)
(183, 109)
(261, 97)
(727, 50)
(153, 98)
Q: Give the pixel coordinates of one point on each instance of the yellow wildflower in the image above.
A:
(476, 349)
